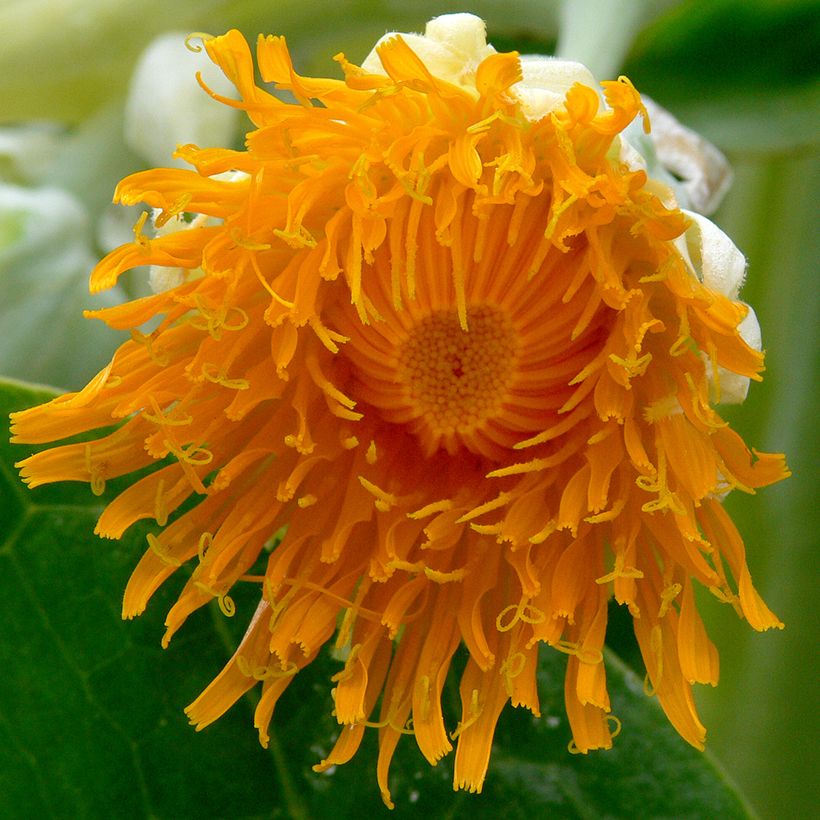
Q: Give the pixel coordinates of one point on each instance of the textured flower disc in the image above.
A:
(456, 354)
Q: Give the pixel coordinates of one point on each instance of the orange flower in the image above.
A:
(438, 358)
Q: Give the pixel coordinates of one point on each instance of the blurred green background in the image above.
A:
(744, 73)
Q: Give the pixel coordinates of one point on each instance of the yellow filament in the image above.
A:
(555, 215)
(164, 420)
(701, 407)
(201, 35)
(567, 647)
(542, 535)
(279, 608)
(417, 181)
(95, 477)
(169, 213)
(430, 509)
(619, 571)
(162, 360)
(511, 668)
(214, 375)
(406, 566)
(196, 456)
(632, 365)
(350, 443)
(326, 386)
(667, 596)
(347, 672)
(264, 672)
(395, 708)
(483, 126)
(501, 500)
(248, 244)
(215, 321)
(607, 515)
(265, 284)
(475, 713)
(300, 238)
(665, 499)
(327, 337)
(205, 542)
(522, 611)
(387, 499)
(161, 551)
(487, 529)
(681, 345)
(227, 605)
(727, 597)
(524, 467)
(299, 584)
(139, 236)
(684, 342)
(589, 656)
(445, 577)
(344, 413)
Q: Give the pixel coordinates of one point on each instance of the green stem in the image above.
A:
(600, 33)
(296, 808)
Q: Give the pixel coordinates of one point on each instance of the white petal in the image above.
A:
(734, 387)
(628, 154)
(451, 48)
(463, 33)
(554, 74)
(721, 266)
(537, 102)
(704, 173)
(545, 83)
(166, 106)
(717, 261)
(749, 330)
(161, 279)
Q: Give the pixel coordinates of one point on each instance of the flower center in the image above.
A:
(456, 380)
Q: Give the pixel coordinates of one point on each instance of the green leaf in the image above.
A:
(708, 46)
(744, 73)
(91, 721)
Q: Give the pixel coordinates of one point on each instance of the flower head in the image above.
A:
(437, 351)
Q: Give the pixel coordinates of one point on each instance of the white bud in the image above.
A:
(451, 48)
(167, 107)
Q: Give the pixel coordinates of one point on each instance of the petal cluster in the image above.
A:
(437, 367)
